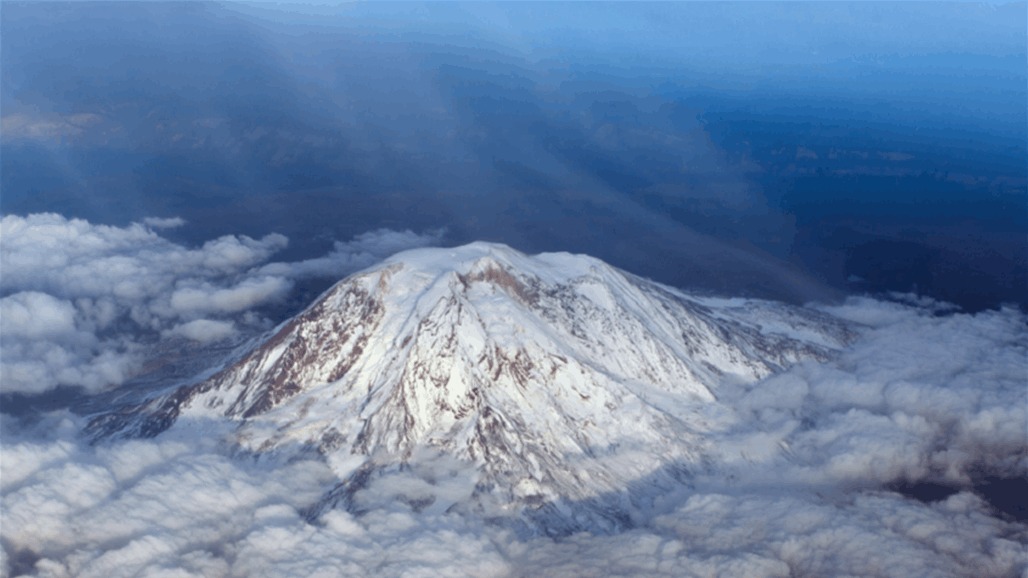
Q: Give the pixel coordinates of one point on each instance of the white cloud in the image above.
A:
(34, 315)
(916, 395)
(176, 505)
(46, 342)
(917, 398)
(47, 252)
(70, 281)
(796, 489)
(160, 223)
(203, 330)
(768, 535)
(179, 506)
(363, 251)
(203, 298)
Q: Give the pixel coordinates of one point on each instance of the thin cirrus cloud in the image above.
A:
(795, 491)
(81, 299)
(45, 128)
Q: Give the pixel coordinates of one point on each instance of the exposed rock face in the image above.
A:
(561, 379)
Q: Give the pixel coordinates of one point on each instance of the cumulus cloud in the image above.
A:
(45, 342)
(796, 491)
(179, 506)
(81, 298)
(139, 507)
(33, 315)
(73, 258)
(192, 298)
(920, 396)
(764, 535)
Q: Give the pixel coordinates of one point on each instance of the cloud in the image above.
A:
(34, 122)
(33, 315)
(47, 252)
(203, 330)
(159, 223)
(46, 342)
(765, 535)
(191, 298)
(44, 128)
(178, 505)
(136, 507)
(918, 397)
(794, 486)
(83, 299)
(363, 251)
(797, 490)
(208, 122)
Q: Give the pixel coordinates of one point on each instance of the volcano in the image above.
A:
(564, 387)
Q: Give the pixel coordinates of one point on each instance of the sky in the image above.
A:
(181, 176)
(863, 147)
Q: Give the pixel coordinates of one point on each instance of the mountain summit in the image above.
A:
(558, 379)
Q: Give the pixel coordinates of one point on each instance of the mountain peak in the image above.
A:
(515, 364)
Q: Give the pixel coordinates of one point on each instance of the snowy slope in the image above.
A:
(559, 380)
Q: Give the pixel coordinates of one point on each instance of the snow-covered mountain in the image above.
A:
(558, 380)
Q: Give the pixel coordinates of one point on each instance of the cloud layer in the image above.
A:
(920, 397)
(796, 491)
(80, 299)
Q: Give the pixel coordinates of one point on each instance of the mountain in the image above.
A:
(560, 381)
